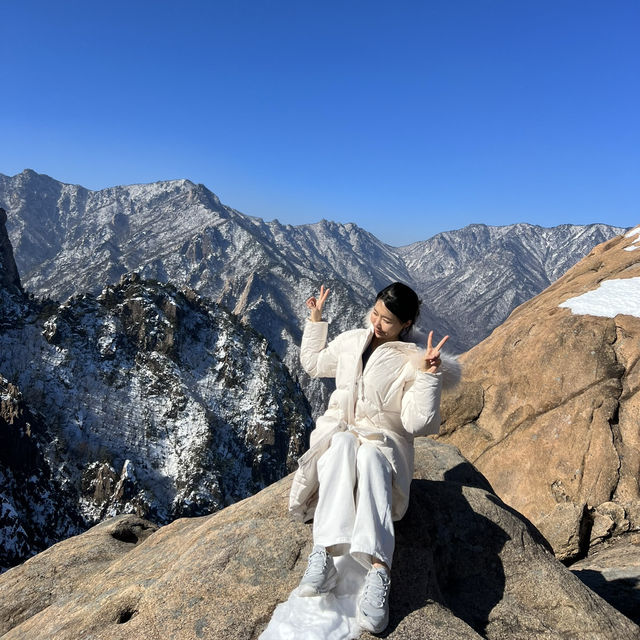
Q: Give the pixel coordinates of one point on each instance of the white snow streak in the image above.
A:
(611, 298)
(636, 243)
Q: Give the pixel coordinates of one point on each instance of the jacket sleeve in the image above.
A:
(421, 404)
(318, 359)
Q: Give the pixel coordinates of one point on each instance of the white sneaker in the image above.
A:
(320, 575)
(373, 605)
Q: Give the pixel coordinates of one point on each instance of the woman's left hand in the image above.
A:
(432, 354)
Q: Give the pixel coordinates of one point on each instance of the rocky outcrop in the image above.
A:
(466, 567)
(548, 410)
(157, 402)
(612, 570)
(11, 293)
(9, 278)
(35, 510)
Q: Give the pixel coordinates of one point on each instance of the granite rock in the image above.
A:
(466, 566)
(548, 409)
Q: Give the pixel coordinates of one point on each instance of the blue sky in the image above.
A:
(408, 118)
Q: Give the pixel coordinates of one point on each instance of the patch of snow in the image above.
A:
(634, 232)
(611, 298)
(636, 243)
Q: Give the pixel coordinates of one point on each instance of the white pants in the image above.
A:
(354, 503)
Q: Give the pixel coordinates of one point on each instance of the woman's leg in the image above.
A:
(373, 538)
(335, 514)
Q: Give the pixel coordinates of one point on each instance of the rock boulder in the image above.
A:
(548, 409)
(466, 567)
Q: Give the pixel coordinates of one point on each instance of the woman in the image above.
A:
(355, 479)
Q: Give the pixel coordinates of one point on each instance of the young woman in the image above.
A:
(355, 479)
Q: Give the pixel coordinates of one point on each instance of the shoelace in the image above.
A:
(317, 563)
(376, 588)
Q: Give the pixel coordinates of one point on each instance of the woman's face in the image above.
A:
(386, 325)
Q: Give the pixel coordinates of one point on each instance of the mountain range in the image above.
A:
(69, 240)
(135, 377)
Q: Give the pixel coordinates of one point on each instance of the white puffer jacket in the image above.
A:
(388, 404)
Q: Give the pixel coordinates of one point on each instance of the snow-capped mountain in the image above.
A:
(150, 400)
(69, 240)
(479, 274)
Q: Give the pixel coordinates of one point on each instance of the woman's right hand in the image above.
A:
(316, 304)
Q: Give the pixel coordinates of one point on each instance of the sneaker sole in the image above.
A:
(366, 624)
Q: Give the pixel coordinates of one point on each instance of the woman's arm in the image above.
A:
(421, 404)
(317, 359)
(421, 399)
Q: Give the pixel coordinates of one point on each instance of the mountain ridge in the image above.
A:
(180, 232)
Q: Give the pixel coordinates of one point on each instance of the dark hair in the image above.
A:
(401, 300)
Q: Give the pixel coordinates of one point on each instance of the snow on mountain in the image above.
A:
(476, 276)
(68, 240)
(155, 400)
(161, 384)
(35, 509)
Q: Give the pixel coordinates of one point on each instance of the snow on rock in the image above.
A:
(35, 508)
(636, 243)
(614, 295)
(611, 298)
(157, 401)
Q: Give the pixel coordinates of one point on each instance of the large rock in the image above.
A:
(11, 293)
(9, 278)
(466, 567)
(548, 409)
(35, 510)
(612, 570)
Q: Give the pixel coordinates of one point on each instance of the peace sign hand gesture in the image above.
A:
(432, 355)
(316, 305)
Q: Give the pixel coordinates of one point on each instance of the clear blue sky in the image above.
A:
(408, 118)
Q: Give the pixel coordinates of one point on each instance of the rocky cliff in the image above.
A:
(151, 400)
(549, 410)
(35, 509)
(11, 293)
(466, 567)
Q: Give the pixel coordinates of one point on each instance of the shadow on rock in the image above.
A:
(621, 593)
(447, 553)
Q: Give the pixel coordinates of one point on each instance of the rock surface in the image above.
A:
(612, 570)
(549, 411)
(466, 567)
